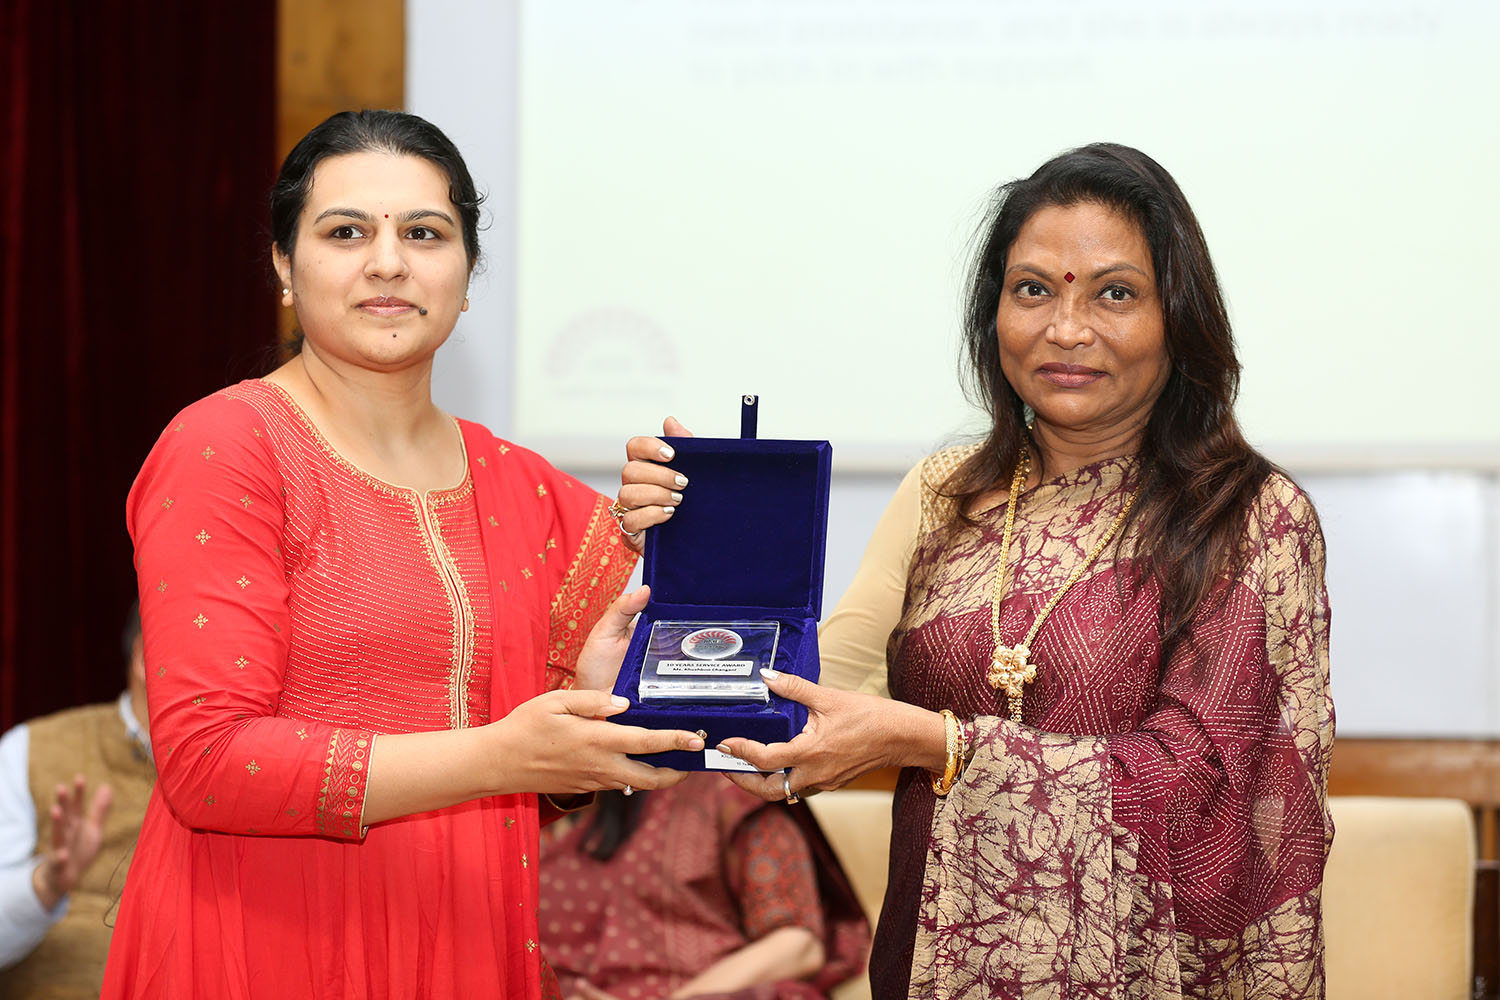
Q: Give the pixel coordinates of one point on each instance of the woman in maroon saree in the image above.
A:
(1109, 681)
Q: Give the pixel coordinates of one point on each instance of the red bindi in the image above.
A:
(1067, 277)
(388, 215)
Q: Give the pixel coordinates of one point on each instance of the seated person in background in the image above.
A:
(693, 890)
(55, 903)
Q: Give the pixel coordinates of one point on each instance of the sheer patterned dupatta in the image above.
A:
(1180, 858)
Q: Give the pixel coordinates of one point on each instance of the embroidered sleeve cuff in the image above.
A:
(341, 799)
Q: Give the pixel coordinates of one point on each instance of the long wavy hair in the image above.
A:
(1199, 477)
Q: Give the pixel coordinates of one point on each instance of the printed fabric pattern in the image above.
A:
(1152, 829)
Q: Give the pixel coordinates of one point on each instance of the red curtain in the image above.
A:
(138, 146)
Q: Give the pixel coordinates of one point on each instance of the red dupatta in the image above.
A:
(555, 560)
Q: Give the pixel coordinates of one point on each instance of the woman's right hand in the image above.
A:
(560, 743)
(847, 734)
(649, 490)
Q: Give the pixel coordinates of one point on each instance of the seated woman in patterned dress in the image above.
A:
(1096, 642)
(694, 890)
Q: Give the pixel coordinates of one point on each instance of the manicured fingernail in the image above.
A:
(681, 480)
(677, 498)
(770, 674)
(695, 744)
(619, 702)
(668, 510)
(666, 453)
(724, 749)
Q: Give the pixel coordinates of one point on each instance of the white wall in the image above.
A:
(1414, 582)
(1414, 554)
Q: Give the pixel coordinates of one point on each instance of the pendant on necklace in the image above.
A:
(1009, 670)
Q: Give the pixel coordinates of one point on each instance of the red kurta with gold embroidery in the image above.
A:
(293, 608)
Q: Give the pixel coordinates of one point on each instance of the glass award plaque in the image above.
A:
(708, 661)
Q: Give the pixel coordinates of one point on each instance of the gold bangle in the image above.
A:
(952, 733)
(570, 803)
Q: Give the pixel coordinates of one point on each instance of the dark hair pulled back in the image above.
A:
(396, 132)
(1199, 475)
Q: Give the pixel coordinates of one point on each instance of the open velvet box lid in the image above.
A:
(746, 543)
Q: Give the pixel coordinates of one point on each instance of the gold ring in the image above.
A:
(617, 510)
(792, 798)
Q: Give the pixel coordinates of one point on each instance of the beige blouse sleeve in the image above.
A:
(852, 640)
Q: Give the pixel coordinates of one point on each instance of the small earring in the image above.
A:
(285, 292)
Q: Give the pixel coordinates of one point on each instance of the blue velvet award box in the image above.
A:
(736, 578)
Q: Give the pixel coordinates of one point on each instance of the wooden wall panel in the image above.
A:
(337, 55)
(331, 56)
(1455, 769)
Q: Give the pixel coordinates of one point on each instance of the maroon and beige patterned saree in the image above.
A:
(1153, 829)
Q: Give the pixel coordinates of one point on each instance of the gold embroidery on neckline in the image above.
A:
(457, 491)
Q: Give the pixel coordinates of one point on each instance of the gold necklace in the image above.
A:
(1010, 668)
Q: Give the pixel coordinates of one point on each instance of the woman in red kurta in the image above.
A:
(353, 605)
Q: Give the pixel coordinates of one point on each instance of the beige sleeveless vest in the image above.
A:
(91, 741)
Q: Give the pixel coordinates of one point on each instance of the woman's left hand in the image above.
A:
(649, 491)
(847, 734)
(604, 650)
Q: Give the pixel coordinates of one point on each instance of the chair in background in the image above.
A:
(1398, 899)
(1398, 893)
(857, 823)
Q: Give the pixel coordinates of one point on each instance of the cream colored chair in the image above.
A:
(1398, 900)
(1398, 893)
(857, 823)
